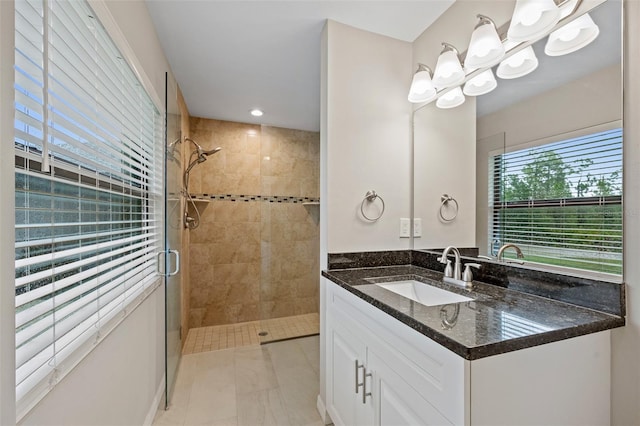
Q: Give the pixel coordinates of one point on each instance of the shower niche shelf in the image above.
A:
(311, 203)
(201, 200)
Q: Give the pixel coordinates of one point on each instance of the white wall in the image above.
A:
(625, 396)
(120, 381)
(7, 282)
(445, 163)
(368, 139)
(593, 99)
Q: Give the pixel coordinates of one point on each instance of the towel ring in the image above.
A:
(445, 200)
(371, 196)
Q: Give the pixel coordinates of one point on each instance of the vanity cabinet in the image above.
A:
(380, 371)
(408, 384)
(348, 359)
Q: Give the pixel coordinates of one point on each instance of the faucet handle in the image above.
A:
(442, 259)
(448, 270)
(467, 275)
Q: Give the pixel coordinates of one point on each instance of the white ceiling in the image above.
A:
(231, 56)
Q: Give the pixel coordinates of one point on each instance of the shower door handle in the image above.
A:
(177, 269)
(158, 263)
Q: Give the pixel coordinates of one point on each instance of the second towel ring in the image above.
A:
(444, 201)
(371, 196)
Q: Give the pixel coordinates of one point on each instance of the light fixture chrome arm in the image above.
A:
(573, 11)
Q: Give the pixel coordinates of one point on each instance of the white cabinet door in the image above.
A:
(396, 402)
(345, 384)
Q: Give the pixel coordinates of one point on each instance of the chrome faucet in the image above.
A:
(456, 274)
(506, 246)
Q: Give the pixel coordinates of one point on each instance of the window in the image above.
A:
(561, 203)
(88, 162)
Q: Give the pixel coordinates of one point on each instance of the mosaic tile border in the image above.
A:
(248, 198)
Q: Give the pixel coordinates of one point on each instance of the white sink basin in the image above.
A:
(422, 293)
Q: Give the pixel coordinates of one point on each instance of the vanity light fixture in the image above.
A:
(532, 19)
(518, 65)
(481, 84)
(256, 112)
(448, 71)
(485, 47)
(422, 89)
(451, 99)
(573, 36)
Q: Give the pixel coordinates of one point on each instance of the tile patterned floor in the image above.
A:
(204, 339)
(273, 384)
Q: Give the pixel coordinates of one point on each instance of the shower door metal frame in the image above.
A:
(172, 238)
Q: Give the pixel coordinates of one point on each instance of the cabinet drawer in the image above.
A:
(434, 372)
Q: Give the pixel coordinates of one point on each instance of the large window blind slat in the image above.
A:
(25, 315)
(76, 312)
(74, 147)
(79, 238)
(58, 270)
(561, 202)
(114, 278)
(87, 228)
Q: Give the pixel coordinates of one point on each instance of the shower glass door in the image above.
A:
(173, 233)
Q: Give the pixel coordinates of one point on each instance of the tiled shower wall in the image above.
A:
(255, 254)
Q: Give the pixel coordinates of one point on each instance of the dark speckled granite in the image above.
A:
(369, 259)
(599, 295)
(498, 320)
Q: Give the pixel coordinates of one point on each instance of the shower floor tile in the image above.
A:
(213, 338)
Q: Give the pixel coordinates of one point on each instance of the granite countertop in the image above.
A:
(498, 320)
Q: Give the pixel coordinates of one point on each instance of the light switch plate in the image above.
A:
(405, 227)
(417, 227)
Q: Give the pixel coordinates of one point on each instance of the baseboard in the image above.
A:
(155, 404)
(322, 410)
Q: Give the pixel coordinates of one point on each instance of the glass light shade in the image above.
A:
(448, 70)
(532, 19)
(573, 36)
(451, 99)
(518, 65)
(422, 89)
(485, 47)
(481, 84)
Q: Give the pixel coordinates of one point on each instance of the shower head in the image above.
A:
(202, 152)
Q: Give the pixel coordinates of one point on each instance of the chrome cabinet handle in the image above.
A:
(175, 271)
(365, 394)
(358, 367)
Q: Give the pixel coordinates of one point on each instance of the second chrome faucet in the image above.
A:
(519, 254)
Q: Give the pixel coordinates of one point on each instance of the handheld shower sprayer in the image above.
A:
(202, 152)
(200, 155)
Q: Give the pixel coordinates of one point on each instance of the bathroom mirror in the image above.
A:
(565, 97)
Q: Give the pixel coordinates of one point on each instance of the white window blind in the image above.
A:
(561, 203)
(88, 185)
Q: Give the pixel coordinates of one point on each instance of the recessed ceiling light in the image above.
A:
(256, 112)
